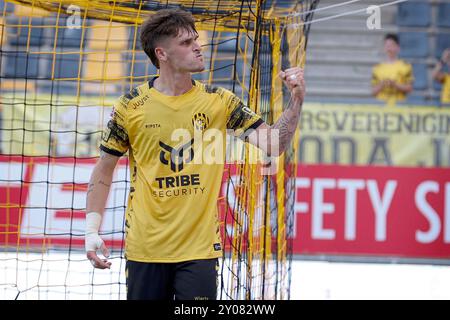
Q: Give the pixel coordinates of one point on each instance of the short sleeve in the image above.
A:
(115, 136)
(240, 118)
(375, 78)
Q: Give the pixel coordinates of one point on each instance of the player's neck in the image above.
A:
(172, 83)
(391, 59)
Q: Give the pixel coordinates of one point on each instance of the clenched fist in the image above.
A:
(294, 79)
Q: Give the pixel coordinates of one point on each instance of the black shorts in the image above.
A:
(188, 280)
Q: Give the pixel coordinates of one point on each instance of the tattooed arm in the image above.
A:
(275, 139)
(100, 182)
(96, 197)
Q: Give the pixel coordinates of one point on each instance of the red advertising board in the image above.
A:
(339, 210)
(383, 211)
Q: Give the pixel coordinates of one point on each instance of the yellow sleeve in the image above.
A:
(375, 78)
(409, 75)
(240, 118)
(115, 136)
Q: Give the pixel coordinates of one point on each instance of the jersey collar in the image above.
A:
(152, 81)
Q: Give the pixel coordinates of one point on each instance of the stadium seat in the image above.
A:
(223, 68)
(133, 32)
(6, 7)
(99, 66)
(415, 98)
(59, 88)
(414, 14)
(70, 37)
(20, 65)
(117, 40)
(15, 85)
(223, 73)
(285, 3)
(277, 4)
(443, 19)
(437, 86)
(28, 11)
(414, 44)
(141, 67)
(20, 29)
(65, 66)
(442, 42)
(226, 42)
(420, 71)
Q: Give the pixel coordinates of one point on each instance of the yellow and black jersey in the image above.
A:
(176, 148)
(445, 93)
(399, 71)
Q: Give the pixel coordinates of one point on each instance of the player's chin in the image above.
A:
(198, 68)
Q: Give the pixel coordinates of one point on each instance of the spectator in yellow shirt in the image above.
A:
(443, 77)
(392, 79)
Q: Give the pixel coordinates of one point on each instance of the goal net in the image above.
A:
(62, 65)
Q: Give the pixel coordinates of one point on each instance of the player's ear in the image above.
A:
(161, 54)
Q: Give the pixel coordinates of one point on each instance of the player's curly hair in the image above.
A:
(164, 23)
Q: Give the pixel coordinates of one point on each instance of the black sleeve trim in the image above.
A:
(111, 151)
(246, 133)
(255, 125)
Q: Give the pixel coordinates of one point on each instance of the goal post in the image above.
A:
(62, 65)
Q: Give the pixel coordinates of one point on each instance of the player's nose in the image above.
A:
(197, 47)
